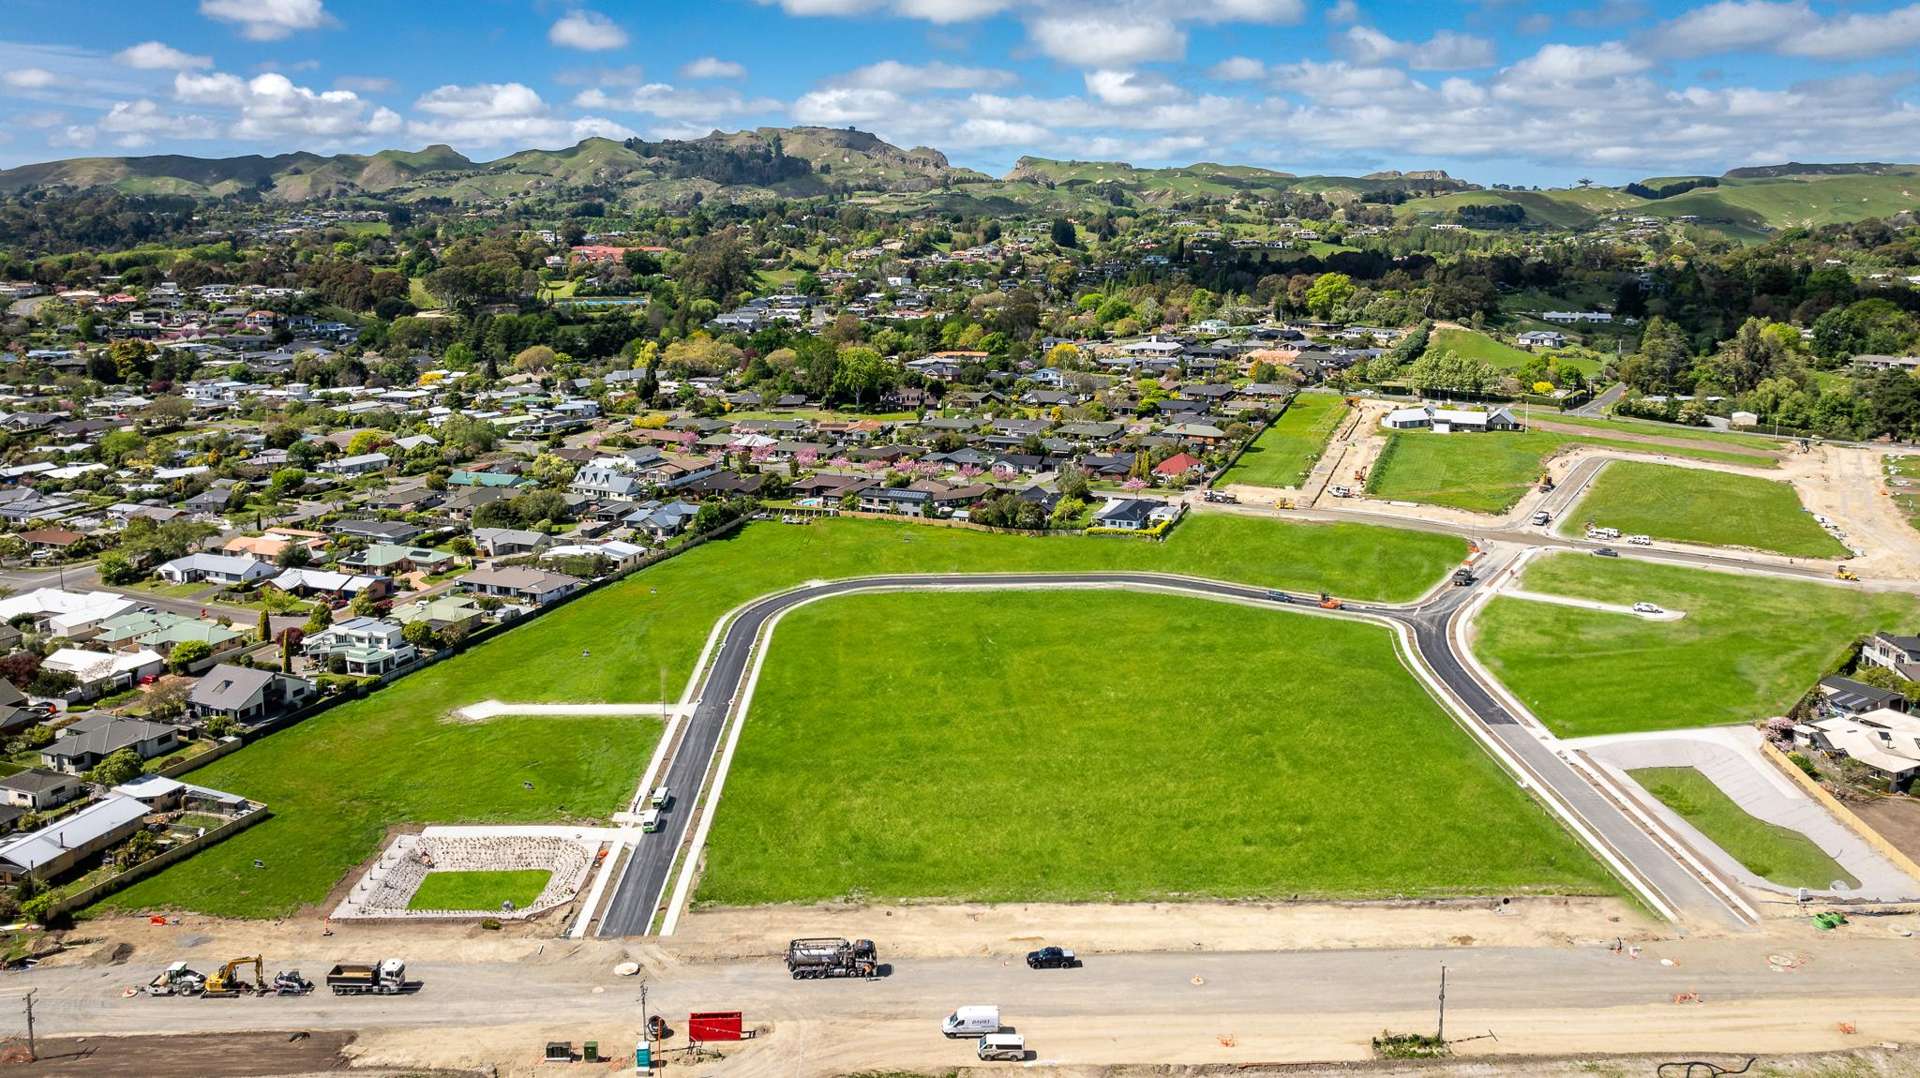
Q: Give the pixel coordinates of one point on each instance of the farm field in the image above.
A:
(1689, 505)
(1748, 647)
(1772, 852)
(336, 782)
(1488, 473)
(479, 890)
(1065, 775)
(1286, 451)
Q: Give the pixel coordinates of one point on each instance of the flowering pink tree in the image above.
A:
(806, 458)
(760, 453)
(1134, 483)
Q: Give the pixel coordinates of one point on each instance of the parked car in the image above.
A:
(1052, 958)
(1543, 517)
(1003, 1047)
(1606, 552)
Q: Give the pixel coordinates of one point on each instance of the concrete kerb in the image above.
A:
(1661, 835)
(1405, 650)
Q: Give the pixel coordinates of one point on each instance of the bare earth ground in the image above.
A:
(955, 931)
(1897, 819)
(192, 1055)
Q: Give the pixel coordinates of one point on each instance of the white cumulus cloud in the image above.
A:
(1444, 51)
(268, 20)
(588, 31)
(712, 67)
(894, 75)
(159, 56)
(29, 78)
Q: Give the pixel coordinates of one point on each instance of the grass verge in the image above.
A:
(1748, 647)
(1772, 852)
(1110, 747)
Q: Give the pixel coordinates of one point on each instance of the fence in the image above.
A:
(87, 896)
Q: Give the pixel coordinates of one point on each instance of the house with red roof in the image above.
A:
(1178, 465)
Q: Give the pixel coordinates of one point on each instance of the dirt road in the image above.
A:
(1788, 988)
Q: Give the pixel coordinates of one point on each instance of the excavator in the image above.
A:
(228, 982)
(1328, 602)
(1844, 573)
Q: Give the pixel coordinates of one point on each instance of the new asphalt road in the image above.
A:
(642, 888)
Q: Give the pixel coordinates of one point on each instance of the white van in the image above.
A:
(971, 1021)
(660, 797)
(1005, 1047)
(650, 821)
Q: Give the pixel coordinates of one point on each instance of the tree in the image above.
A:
(418, 633)
(264, 630)
(536, 359)
(861, 375)
(219, 725)
(117, 569)
(319, 620)
(1063, 233)
(1447, 370)
(122, 766)
(1663, 357)
(1328, 292)
(186, 653)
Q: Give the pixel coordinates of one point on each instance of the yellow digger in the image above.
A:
(228, 981)
(1844, 573)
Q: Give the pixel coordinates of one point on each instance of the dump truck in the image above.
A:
(812, 959)
(384, 978)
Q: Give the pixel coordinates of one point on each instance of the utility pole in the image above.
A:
(645, 1031)
(1441, 1033)
(32, 1056)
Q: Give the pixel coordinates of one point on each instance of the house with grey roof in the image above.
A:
(226, 569)
(246, 694)
(70, 841)
(92, 739)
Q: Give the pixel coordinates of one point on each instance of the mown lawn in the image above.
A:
(1772, 852)
(1748, 647)
(1488, 473)
(479, 890)
(1689, 505)
(336, 782)
(1099, 746)
(1288, 449)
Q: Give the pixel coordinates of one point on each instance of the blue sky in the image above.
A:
(1520, 91)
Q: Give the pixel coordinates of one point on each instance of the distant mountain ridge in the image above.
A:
(806, 162)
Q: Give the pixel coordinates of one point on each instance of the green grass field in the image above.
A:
(479, 890)
(1772, 852)
(1109, 747)
(1689, 505)
(1499, 354)
(1288, 449)
(1488, 473)
(336, 782)
(1722, 439)
(1747, 649)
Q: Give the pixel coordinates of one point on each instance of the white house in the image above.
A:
(218, 568)
(1449, 420)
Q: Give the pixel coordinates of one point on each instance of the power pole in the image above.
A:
(31, 1054)
(1441, 1034)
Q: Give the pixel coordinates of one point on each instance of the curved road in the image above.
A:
(642, 888)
